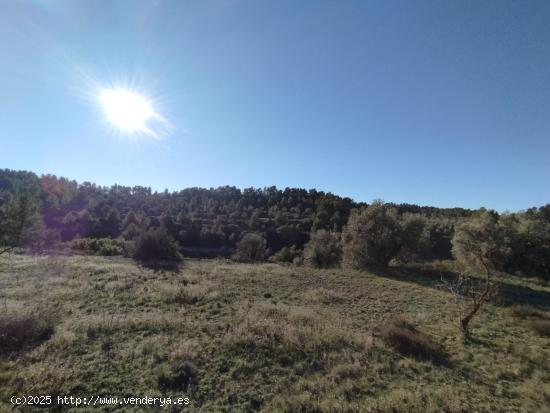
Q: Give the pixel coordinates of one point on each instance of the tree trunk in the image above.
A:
(489, 288)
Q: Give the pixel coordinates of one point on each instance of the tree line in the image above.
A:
(291, 224)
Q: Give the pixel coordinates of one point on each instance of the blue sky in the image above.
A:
(443, 103)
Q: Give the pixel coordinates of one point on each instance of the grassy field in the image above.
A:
(265, 337)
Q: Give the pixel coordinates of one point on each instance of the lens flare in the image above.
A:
(130, 111)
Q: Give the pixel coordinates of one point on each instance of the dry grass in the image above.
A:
(541, 327)
(265, 337)
(293, 333)
(322, 296)
(19, 332)
(526, 311)
(534, 318)
(409, 341)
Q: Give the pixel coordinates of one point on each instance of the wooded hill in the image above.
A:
(199, 218)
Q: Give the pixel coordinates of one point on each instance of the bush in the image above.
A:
(131, 232)
(180, 377)
(528, 245)
(323, 250)
(375, 235)
(39, 240)
(287, 254)
(99, 246)
(407, 340)
(250, 248)
(479, 244)
(22, 332)
(155, 244)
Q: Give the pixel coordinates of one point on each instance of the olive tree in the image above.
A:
(480, 246)
(323, 249)
(375, 235)
(250, 248)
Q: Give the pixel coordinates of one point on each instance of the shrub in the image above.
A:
(528, 245)
(155, 244)
(21, 332)
(131, 232)
(99, 246)
(287, 254)
(323, 250)
(479, 244)
(180, 377)
(407, 340)
(250, 248)
(375, 235)
(41, 239)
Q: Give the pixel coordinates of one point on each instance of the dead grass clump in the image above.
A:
(180, 377)
(96, 326)
(22, 332)
(166, 348)
(407, 340)
(526, 311)
(191, 294)
(292, 333)
(322, 296)
(534, 318)
(541, 327)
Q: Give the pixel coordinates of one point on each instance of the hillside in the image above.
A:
(267, 337)
(205, 221)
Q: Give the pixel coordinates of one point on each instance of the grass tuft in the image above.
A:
(23, 332)
(541, 327)
(407, 340)
(180, 377)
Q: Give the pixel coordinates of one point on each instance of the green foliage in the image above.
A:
(527, 241)
(517, 243)
(17, 214)
(375, 235)
(155, 244)
(39, 239)
(100, 246)
(323, 250)
(213, 220)
(131, 231)
(480, 245)
(201, 219)
(250, 248)
(287, 254)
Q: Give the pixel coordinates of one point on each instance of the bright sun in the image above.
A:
(128, 110)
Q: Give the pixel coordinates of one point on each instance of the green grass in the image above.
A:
(263, 337)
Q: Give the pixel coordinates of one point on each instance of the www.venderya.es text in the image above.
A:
(94, 400)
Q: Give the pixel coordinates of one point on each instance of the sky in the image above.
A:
(442, 103)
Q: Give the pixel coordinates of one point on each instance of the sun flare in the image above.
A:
(128, 111)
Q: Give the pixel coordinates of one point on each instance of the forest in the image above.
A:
(211, 222)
